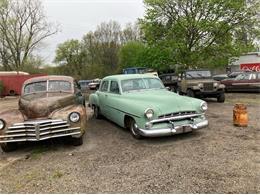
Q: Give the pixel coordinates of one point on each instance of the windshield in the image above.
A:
(198, 74)
(141, 84)
(53, 86)
(134, 71)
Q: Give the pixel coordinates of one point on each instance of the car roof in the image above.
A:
(52, 77)
(128, 76)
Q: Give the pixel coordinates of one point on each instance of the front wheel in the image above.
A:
(9, 147)
(221, 98)
(190, 93)
(133, 128)
(178, 91)
(97, 112)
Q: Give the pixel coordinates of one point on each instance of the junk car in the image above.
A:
(199, 83)
(142, 104)
(49, 107)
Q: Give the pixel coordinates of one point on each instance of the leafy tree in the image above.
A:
(97, 54)
(70, 56)
(199, 32)
(23, 27)
(130, 54)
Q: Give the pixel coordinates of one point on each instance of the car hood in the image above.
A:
(163, 101)
(196, 81)
(41, 105)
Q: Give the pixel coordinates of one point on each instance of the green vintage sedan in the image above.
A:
(142, 104)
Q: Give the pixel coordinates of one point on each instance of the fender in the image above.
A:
(93, 100)
(10, 117)
(65, 112)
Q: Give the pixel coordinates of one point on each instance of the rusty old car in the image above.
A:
(49, 107)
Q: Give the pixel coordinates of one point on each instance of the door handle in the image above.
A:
(106, 95)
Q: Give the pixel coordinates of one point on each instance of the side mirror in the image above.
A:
(78, 93)
(168, 88)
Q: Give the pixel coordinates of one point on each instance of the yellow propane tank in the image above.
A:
(240, 116)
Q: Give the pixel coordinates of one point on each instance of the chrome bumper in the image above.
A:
(173, 130)
(38, 130)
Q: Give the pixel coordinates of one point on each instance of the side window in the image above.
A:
(247, 77)
(76, 87)
(114, 88)
(253, 76)
(104, 86)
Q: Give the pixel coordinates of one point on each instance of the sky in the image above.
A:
(77, 17)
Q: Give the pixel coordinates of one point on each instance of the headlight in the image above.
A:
(200, 85)
(74, 117)
(203, 106)
(149, 113)
(2, 124)
(215, 84)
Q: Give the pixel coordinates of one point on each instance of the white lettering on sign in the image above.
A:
(250, 67)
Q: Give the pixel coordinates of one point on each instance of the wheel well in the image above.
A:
(11, 92)
(127, 120)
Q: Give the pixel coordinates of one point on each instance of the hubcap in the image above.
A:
(134, 128)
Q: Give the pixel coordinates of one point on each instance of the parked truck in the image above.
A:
(12, 83)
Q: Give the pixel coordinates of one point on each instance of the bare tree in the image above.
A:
(23, 26)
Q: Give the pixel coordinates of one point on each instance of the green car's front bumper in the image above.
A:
(173, 125)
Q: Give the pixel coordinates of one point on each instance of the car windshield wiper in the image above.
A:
(200, 75)
(59, 91)
(189, 75)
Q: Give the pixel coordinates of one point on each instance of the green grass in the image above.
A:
(37, 152)
(57, 174)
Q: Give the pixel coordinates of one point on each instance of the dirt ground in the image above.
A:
(219, 159)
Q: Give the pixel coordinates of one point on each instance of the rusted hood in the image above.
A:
(41, 105)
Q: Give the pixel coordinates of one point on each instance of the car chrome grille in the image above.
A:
(38, 130)
(208, 86)
(176, 114)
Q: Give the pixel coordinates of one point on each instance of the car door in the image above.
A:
(115, 112)
(241, 83)
(253, 84)
(102, 94)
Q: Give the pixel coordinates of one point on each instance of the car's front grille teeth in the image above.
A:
(176, 114)
(36, 131)
(208, 86)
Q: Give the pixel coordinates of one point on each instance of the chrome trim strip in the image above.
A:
(34, 122)
(43, 133)
(41, 139)
(37, 130)
(175, 118)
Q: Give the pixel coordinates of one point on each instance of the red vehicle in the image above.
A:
(244, 82)
(13, 83)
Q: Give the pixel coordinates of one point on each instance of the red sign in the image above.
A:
(251, 66)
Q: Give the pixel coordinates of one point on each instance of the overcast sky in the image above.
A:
(77, 17)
